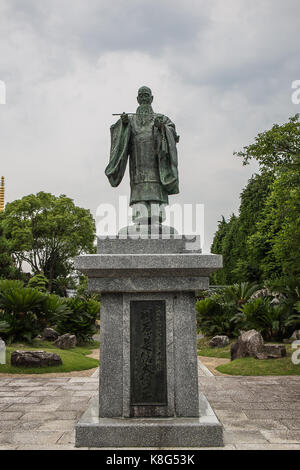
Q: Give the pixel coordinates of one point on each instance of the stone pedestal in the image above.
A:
(148, 369)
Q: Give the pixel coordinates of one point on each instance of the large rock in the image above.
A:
(35, 359)
(49, 334)
(295, 335)
(66, 341)
(249, 344)
(219, 341)
(274, 351)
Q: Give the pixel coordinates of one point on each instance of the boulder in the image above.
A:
(295, 335)
(49, 334)
(274, 351)
(219, 341)
(66, 341)
(35, 359)
(249, 344)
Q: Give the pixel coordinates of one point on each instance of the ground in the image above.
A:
(256, 412)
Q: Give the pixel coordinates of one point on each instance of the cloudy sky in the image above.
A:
(221, 70)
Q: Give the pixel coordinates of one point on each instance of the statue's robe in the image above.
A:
(152, 158)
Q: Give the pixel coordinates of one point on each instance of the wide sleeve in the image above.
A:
(167, 157)
(120, 135)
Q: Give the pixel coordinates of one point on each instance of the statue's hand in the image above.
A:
(158, 122)
(124, 118)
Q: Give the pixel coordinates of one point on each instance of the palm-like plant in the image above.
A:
(239, 294)
(20, 310)
(261, 315)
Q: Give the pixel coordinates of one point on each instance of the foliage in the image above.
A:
(26, 311)
(39, 282)
(79, 319)
(20, 310)
(262, 243)
(234, 308)
(215, 313)
(8, 269)
(48, 232)
(259, 314)
(275, 148)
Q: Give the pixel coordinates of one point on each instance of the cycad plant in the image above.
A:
(259, 314)
(79, 318)
(20, 310)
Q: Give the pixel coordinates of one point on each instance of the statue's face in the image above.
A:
(144, 96)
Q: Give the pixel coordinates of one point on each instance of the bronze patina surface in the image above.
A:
(149, 140)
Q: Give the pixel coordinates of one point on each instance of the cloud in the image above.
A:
(222, 71)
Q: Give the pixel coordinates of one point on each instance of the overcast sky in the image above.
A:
(220, 69)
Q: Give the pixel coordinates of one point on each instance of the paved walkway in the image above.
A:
(256, 412)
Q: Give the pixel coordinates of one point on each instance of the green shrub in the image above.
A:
(39, 282)
(26, 311)
(21, 313)
(261, 315)
(215, 313)
(212, 318)
(79, 319)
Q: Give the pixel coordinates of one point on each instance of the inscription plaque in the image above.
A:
(148, 353)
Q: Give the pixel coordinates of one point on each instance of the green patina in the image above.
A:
(149, 141)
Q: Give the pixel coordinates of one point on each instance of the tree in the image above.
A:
(48, 232)
(263, 242)
(276, 148)
(8, 269)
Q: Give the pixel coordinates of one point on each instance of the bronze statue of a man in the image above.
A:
(149, 140)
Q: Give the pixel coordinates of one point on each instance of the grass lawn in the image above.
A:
(250, 365)
(73, 359)
(205, 350)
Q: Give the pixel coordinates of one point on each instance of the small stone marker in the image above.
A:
(2, 352)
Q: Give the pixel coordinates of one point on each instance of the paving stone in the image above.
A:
(33, 408)
(8, 447)
(50, 447)
(83, 393)
(272, 414)
(293, 424)
(232, 414)
(252, 424)
(77, 407)
(67, 438)
(18, 425)
(14, 393)
(282, 436)
(38, 415)
(20, 400)
(78, 387)
(35, 437)
(58, 425)
(84, 380)
(44, 393)
(237, 437)
(268, 446)
(5, 437)
(9, 416)
(216, 405)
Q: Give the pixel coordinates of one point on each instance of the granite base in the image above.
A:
(205, 431)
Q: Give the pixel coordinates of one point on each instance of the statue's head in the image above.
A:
(144, 95)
